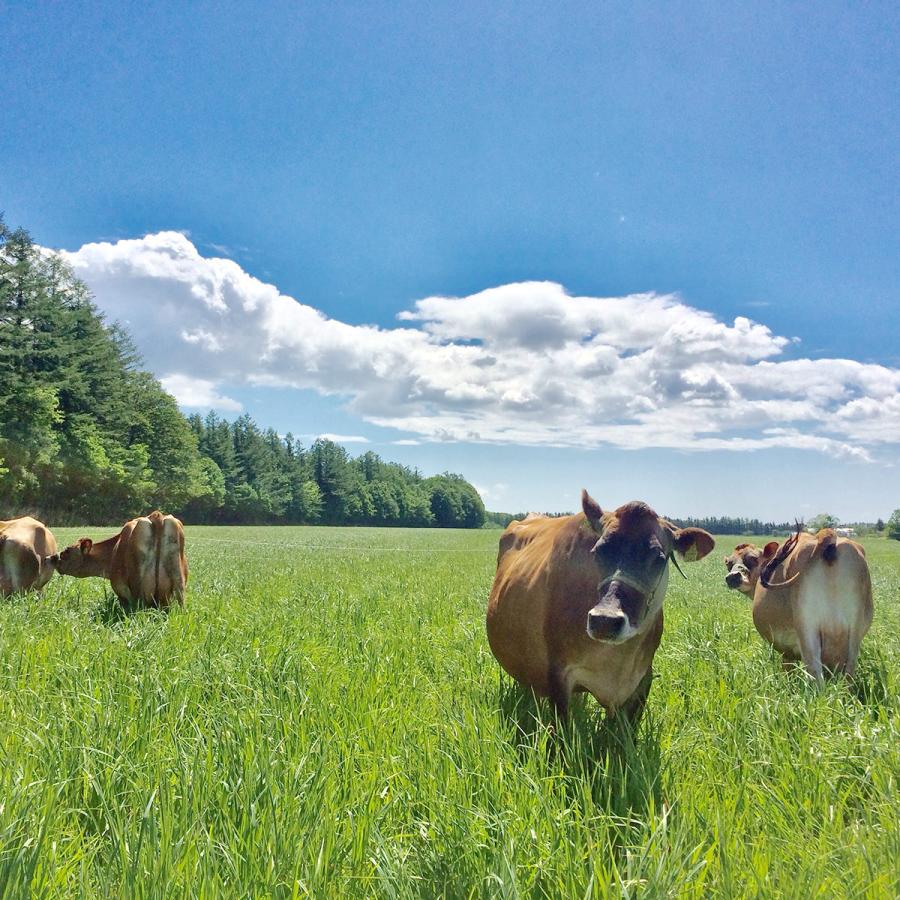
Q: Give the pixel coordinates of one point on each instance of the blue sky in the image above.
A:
(738, 159)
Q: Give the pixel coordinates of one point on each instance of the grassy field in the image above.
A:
(324, 718)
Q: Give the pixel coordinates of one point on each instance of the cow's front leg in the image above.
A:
(560, 692)
(633, 708)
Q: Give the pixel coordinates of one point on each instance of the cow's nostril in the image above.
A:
(606, 624)
(733, 580)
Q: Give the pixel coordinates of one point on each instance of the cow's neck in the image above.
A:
(99, 560)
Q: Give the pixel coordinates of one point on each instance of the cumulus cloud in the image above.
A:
(198, 393)
(522, 363)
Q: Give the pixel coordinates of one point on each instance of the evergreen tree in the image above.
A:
(87, 436)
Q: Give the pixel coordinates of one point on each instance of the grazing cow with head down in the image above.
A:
(577, 601)
(24, 545)
(812, 597)
(143, 562)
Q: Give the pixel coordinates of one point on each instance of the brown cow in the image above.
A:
(144, 561)
(812, 597)
(577, 601)
(24, 545)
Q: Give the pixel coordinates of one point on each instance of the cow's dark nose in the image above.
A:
(733, 579)
(606, 625)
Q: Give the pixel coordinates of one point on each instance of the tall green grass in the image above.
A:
(324, 718)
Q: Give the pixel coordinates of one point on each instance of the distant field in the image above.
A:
(324, 718)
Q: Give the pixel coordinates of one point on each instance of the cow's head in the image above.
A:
(73, 559)
(745, 565)
(632, 552)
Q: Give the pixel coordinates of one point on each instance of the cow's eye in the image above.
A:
(603, 548)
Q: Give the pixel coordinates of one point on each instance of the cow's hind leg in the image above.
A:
(171, 574)
(143, 553)
(811, 653)
(25, 569)
(853, 642)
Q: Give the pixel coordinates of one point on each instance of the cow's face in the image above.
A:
(743, 567)
(73, 558)
(632, 554)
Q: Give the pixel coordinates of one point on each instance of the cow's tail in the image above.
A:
(826, 544)
(783, 552)
(826, 547)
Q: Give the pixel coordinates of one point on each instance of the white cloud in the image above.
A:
(344, 438)
(492, 492)
(521, 363)
(198, 393)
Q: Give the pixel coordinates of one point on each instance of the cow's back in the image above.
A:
(534, 556)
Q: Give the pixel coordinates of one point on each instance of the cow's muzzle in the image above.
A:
(738, 578)
(618, 614)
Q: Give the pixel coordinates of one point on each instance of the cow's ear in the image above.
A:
(591, 509)
(85, 544)
(769, 549)
(693, 543)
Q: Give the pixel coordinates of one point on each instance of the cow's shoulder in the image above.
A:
(545, 542)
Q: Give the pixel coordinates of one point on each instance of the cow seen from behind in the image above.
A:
(144, 562)
(812, 597)
(25, 543)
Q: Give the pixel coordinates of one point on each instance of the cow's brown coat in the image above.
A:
(817, 606)
(545, 593)
(144, 562)
(24, 545)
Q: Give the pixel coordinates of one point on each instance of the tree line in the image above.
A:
(734, 525)
(88, 436)
(259, 476)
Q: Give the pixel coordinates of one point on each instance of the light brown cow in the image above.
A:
(24, 544)
(145, 561)
(812, 597)
(577, 601)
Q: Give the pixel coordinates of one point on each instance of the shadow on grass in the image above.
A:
(870, 685)
(618, 764)
(112, 611)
